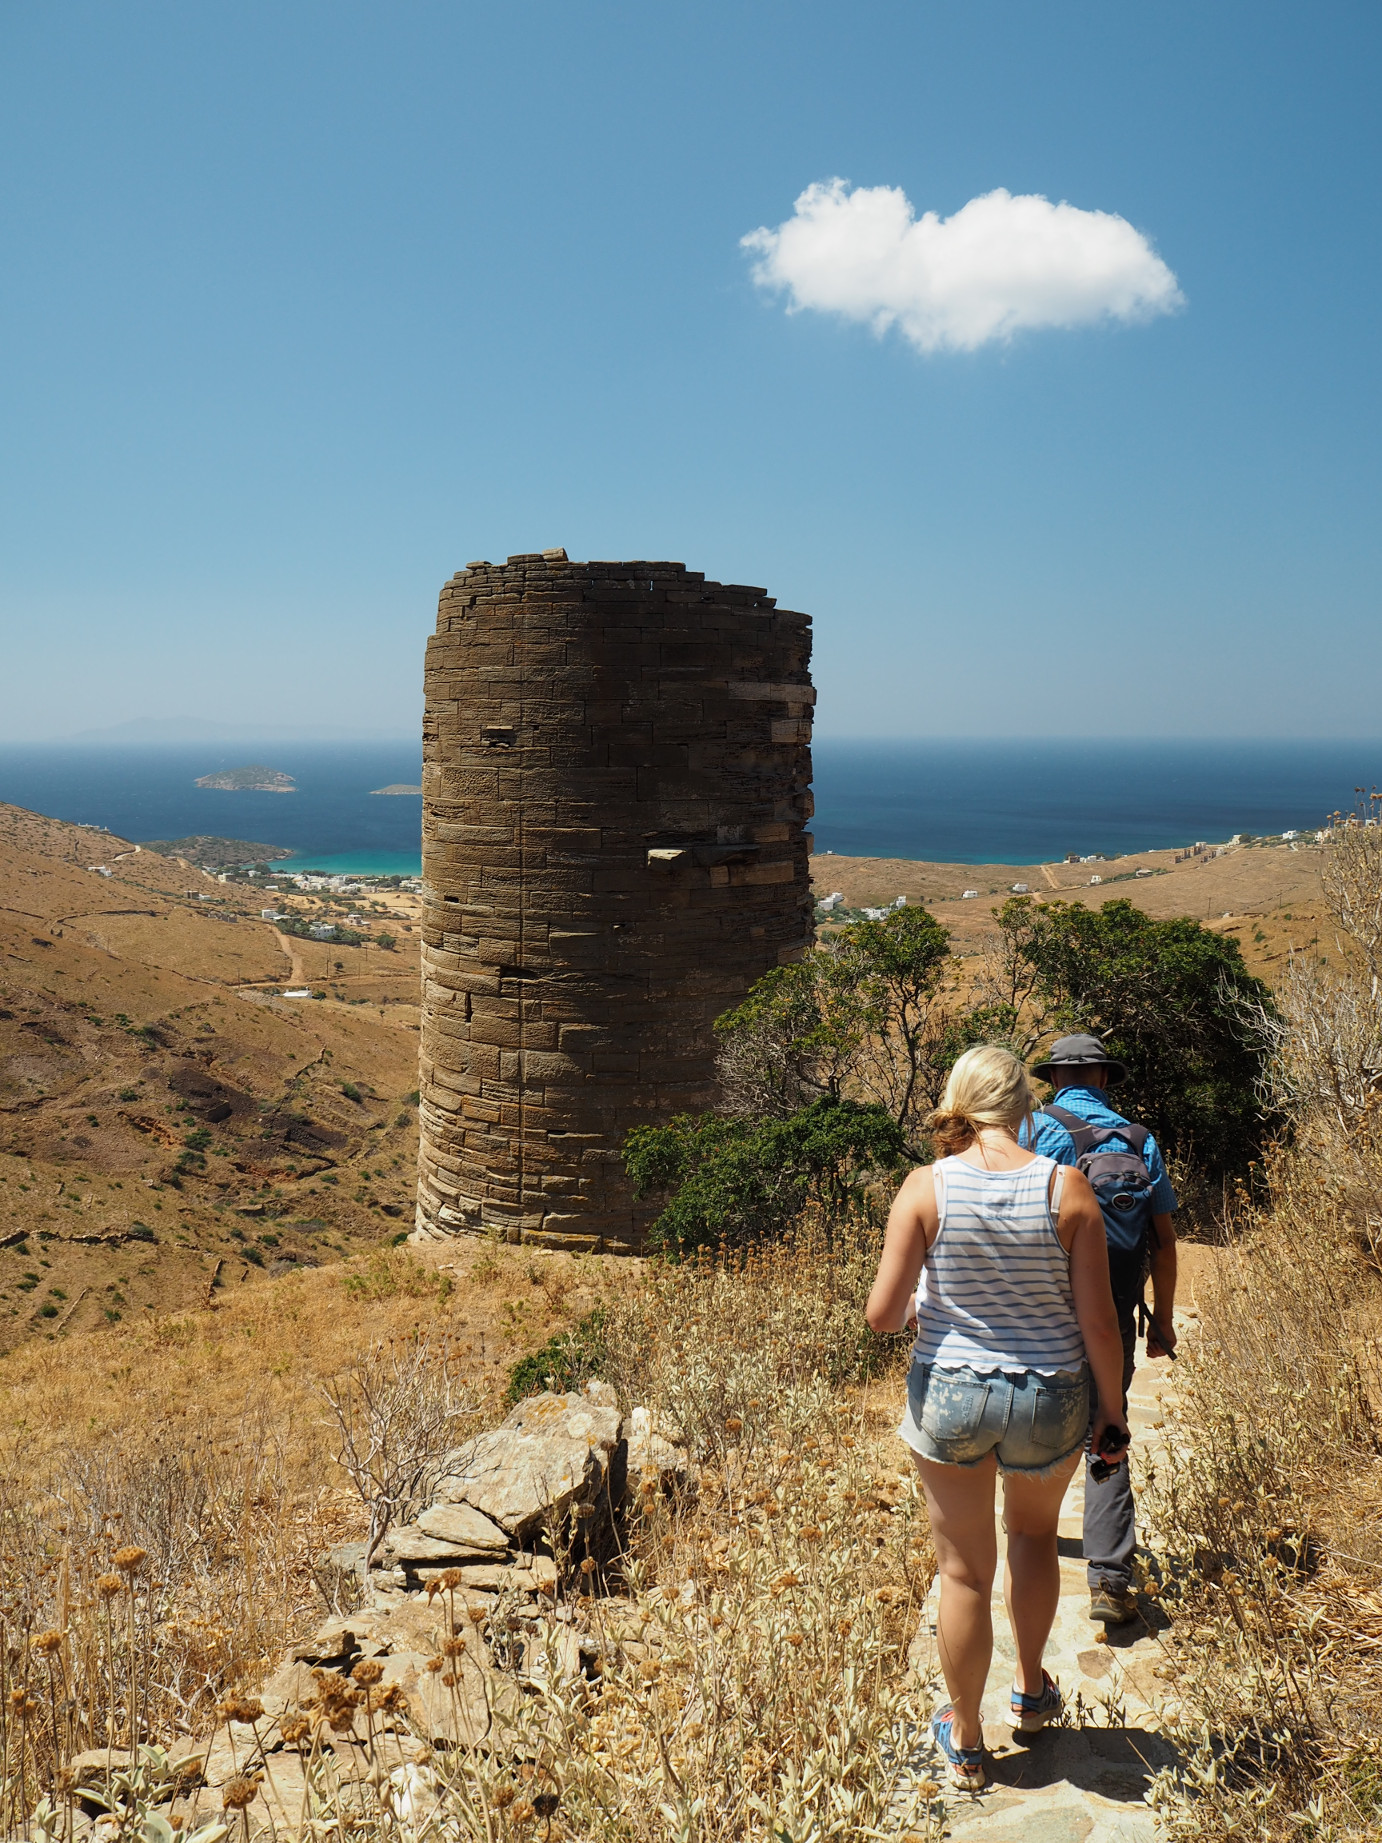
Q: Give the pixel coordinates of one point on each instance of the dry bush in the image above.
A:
(398, 1410)
(1265, 1518)
(135, 1582)
(760, 1335)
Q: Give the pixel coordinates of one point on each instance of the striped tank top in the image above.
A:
(995, 1290)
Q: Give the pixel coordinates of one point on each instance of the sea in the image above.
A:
(960, 802)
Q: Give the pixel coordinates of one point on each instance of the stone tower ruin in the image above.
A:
(616, 779)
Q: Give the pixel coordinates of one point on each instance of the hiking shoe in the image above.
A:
(966, 1763)
(1031, 1713)
(1110, 1604)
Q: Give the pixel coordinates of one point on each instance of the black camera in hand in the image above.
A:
(1112, 1440)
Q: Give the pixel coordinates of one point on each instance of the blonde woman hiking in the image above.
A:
(1015, 1320)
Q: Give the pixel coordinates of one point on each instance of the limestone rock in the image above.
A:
(409, 1544)
(468, 1530)
(551, 1450)
(527, 1573)
(452, 1714)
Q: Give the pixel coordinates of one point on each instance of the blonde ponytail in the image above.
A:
(988, 1086)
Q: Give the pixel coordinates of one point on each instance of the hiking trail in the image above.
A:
(1084, 1783)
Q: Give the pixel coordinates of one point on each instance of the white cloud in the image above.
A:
(999, 265)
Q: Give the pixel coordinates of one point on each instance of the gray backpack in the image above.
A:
(1123, 1185)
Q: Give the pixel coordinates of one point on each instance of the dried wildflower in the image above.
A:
(47, 1643)
(502, 1796)
(368, 1670)
(587, 1566)
(453, 1647)
(734, 1424)
(433, 1664)
(108, 1585)
(449, 1678)
(524, 1813)
(129, 1561)
(295, 1729)
(812, 1533)
(785, 1581)
(452, 1578)
(238, 1793)
(545, 1803)
(796, 1640)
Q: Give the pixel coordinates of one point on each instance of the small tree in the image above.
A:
(863, 1016)
(1171, 999)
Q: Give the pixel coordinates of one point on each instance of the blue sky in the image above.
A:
(302, 306)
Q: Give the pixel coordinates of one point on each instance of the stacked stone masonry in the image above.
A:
(616, 785)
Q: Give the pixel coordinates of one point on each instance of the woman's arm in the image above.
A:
(1089, 1282)
(912, 1226)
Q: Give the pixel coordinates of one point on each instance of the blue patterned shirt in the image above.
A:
(1091, 1104)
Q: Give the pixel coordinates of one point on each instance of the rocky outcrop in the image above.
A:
(506, 1583)
(520, 1506)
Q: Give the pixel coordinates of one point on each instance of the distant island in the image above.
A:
(216, 853)
(255, 779)
(396, 787)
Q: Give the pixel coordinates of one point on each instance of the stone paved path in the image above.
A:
(1082, 1784)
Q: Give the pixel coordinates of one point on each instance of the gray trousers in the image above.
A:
(1110, 1533)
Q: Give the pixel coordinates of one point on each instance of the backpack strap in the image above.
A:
(1087, 1137)
(1079, 1130)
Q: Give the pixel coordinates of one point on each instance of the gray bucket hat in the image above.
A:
(1070, 1053)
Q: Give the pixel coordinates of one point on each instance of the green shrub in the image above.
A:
(731, 1182)
(350, 1091)
(565, 1361)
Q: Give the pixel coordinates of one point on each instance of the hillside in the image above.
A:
(1266, 895)
(169, 1124)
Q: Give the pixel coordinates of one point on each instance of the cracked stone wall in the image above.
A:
(616, 782)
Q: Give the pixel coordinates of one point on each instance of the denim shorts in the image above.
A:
(1033, 1423)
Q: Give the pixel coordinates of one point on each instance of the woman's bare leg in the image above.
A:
(1031, 1580)
(960, 1500)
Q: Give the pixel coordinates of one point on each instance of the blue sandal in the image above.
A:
(966, 1763)
(1031, 1713)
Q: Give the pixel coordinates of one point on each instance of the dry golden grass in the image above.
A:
(753, 1676)
(1266, 1517)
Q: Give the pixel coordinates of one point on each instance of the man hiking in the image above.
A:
(1124, 1164)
